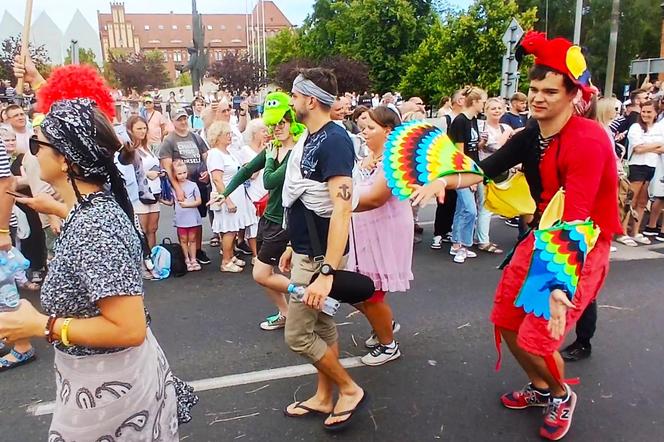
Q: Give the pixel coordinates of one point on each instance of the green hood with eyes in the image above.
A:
(277, 104)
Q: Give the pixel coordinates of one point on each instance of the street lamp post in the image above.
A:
(577, 21)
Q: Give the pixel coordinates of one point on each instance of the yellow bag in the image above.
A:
(510, 198)
(554, 210)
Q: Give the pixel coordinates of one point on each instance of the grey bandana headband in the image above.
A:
(307, 87)
(70, 126)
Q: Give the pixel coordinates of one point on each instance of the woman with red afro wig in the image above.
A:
(112, 375)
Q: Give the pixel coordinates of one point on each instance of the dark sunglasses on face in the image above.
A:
(35, 142)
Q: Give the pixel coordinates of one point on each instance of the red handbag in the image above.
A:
(261, 205)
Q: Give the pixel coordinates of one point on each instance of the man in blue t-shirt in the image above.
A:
(516, 117)
(319, 185)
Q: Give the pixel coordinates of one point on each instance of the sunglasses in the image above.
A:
(35, 142)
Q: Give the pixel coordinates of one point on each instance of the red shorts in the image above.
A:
(532, 334)
(186, 231)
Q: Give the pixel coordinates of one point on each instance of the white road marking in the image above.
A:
(232, 380)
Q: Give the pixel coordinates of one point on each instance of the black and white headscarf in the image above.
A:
(70, 126)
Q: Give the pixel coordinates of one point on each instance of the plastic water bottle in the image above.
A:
(9, 298)
(330, 306)
(11, 263)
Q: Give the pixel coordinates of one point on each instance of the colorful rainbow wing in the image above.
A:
(417, 152)
(558, 259)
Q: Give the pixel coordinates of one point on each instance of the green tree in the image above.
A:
(463, 48)
(11, 47)
(85, 56)
(638, 35)
(380, 33)
(184, 80)
(323, 30)
(282, 48)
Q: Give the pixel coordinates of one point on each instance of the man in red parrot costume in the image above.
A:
(558, 267)
(559, 149)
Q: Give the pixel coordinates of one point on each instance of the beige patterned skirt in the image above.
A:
(123, 396)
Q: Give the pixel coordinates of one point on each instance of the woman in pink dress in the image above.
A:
(381, 243)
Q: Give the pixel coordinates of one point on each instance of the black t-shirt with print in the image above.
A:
(327, 153)
(465, 130)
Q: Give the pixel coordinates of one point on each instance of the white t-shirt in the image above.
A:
(150, 162)
(226, 163)
(256, 189)
(496, 135)
(636, 136)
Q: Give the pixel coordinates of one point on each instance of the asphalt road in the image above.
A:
(444, 386)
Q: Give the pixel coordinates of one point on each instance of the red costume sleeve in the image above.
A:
(583, 168)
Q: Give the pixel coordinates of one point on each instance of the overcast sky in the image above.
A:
(62, 11)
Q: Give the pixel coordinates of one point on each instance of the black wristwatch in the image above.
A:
(327, 270)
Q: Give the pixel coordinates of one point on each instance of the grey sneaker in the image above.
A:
(381, 355)
(274, 322)
(373, 342)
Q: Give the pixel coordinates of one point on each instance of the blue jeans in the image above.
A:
(483, 217)
(465, 217)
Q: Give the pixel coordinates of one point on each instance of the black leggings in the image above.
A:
(445, 214)
(34, 246)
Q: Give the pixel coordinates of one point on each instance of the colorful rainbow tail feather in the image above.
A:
(417, 153)
(558, 258)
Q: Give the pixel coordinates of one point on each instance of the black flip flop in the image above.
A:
(309, 411)
(339, 426)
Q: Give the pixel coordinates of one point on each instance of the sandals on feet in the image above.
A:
(21, 359)
(29, 285)
(627, 241)
(239, 262)
(490, 248)
(231, 267)
(309, 411)
(642, 239)
(342, 425)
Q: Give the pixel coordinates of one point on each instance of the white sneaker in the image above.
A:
(461, 255)
(437, 242)
(274, 322)
(381, 354)
(373, 342)
(641, 239)
(469, 253)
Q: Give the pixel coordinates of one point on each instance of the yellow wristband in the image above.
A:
(38, 86)
(5, 231)
(64, 332)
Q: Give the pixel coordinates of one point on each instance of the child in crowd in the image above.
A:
(187, 216)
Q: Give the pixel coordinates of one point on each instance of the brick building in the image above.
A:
(172, 34)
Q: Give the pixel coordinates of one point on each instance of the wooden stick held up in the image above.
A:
(25, 42)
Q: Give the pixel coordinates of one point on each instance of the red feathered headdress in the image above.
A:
(561, 55)
(76, 81)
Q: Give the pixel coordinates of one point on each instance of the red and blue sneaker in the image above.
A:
(558, 416)
(524, 398)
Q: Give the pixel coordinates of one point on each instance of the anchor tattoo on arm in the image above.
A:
(345, 192)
